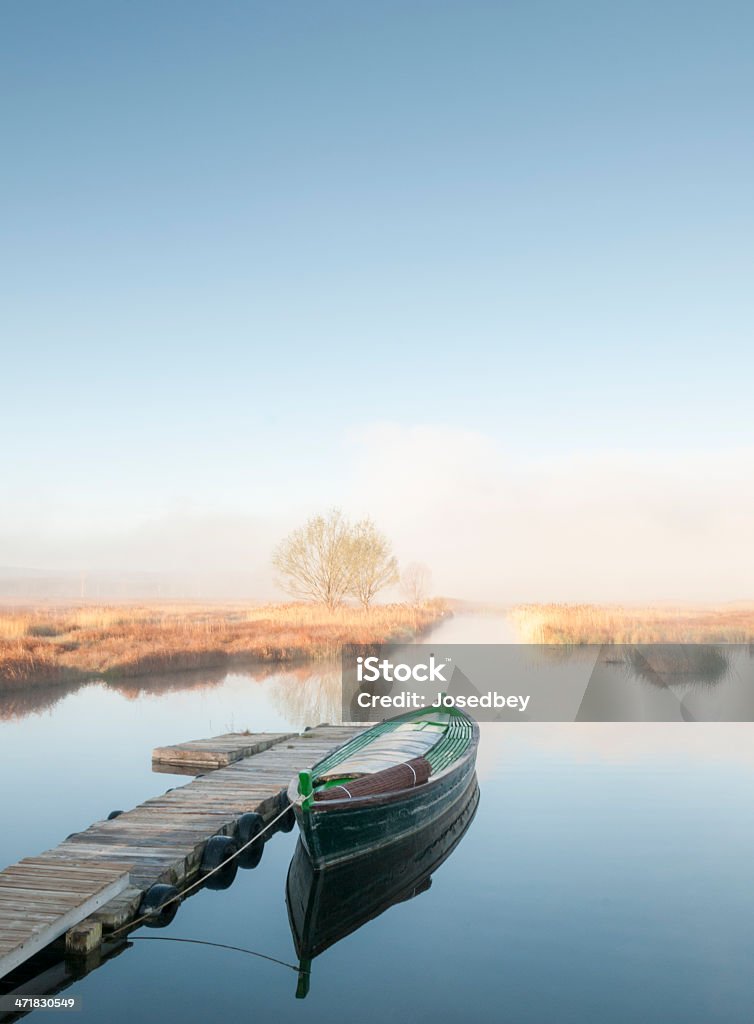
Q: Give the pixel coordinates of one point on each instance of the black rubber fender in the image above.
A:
(286, 823)
(217, 850)
(250, 825)
(248, 859)
(153, 899)
(281, 800)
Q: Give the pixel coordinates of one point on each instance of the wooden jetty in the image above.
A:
(102, 873)
(218, 752)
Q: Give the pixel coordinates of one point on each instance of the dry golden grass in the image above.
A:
(53, 644)
(616, 624)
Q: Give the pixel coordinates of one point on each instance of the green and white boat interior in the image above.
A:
(441, 737)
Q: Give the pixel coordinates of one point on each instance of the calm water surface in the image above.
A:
(605, 877)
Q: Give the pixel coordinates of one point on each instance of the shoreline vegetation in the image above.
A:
(42, 645)
(621, 624)
(49, 645)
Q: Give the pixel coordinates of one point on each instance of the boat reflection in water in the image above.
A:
(324, 906)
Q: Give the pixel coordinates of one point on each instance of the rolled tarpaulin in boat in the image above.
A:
(401, 776)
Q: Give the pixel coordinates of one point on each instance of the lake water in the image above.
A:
(605, 876)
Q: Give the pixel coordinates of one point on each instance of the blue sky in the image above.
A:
(237, 236)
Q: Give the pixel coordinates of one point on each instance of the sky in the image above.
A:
(482, 270)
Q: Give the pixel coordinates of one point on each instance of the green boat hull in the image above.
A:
(359, 827)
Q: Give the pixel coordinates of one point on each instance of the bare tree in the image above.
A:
(315, 562)
(416, 581)
(374, 565)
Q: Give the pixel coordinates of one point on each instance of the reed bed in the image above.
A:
(61, 644)
(618, 624)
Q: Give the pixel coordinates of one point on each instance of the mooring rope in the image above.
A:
(200, 881)
(218, 945)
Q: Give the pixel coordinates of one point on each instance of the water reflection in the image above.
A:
(309, 697)
(668, 665)
(326, 906)
(670, 682)
(50, 973)
(35, 698)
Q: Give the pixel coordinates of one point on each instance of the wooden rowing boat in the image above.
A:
(326, 906)
(385, 783)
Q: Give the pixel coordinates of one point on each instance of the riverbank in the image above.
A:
(620, 624)
(48, 645)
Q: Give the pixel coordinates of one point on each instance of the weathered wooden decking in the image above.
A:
(218, 752)
(41, 898)
(161, 840)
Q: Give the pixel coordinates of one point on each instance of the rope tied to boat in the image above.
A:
(200, 881)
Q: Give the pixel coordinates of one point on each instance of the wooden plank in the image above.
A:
(24, 931)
